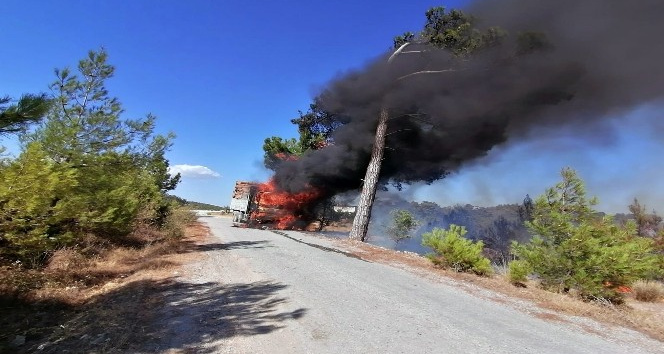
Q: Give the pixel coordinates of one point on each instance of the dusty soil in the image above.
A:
(107, 312)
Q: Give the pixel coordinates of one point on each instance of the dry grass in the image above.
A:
(645, 319)
(79, 284)
(174, 222)
(648, 291)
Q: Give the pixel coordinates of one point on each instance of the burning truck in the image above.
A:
(241, 201)
(264, 204)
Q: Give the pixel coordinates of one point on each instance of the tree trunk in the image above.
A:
(363, 214)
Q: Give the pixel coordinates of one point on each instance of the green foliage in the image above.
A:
(176, 221)
(456, 31)
(277, 150)
(402, 224)
(403, 39)
(85, 121)
(29, 109)
(519, 271)
(315, 128)
(84, 171)
(153, 160)
(573, 248)
(110, 195)
(452, 249)
(33, 216)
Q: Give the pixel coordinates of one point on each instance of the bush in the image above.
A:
(649, 291)
(519, 271)
(451, 249)
(34, 218)
(176, 222)
(402, 224)
(574, 249)
(92, 175)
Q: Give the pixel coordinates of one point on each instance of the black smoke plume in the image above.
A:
(601, 58)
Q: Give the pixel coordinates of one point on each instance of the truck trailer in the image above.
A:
(250, 205)
(243, 196)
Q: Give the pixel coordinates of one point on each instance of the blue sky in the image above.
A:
(224, 75)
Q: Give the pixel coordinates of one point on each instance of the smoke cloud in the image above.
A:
(604, 59)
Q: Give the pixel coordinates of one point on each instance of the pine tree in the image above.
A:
(452, 249)
(36, 214)
(575, 249)
(16, 117)
(85, 170)
(402, 224)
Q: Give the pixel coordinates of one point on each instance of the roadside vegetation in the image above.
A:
(83, 173)
(402, 225)
(574, 249)
(452, 250)
(85, 201)
(648, 290)
(576, 261)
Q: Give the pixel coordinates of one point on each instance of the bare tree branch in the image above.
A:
(396, 52)
(427, 72)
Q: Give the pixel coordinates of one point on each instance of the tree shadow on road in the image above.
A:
(232, 245)
(157, 316)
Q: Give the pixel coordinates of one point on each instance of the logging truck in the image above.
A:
(247, 208)
(243, 196)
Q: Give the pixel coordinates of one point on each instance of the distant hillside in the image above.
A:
(196, 205)
(496, 226)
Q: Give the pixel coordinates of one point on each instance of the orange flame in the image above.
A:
(619, 288)
(284, 209)
(321, 144)
(285, 157)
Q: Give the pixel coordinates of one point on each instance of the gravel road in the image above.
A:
(258, 291)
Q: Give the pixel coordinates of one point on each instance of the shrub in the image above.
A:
(92, 175)
(649, 291)
(34, 218)
(519, 271)
(401, 225)
(574, 249)
(176, 222)
(451, 249)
